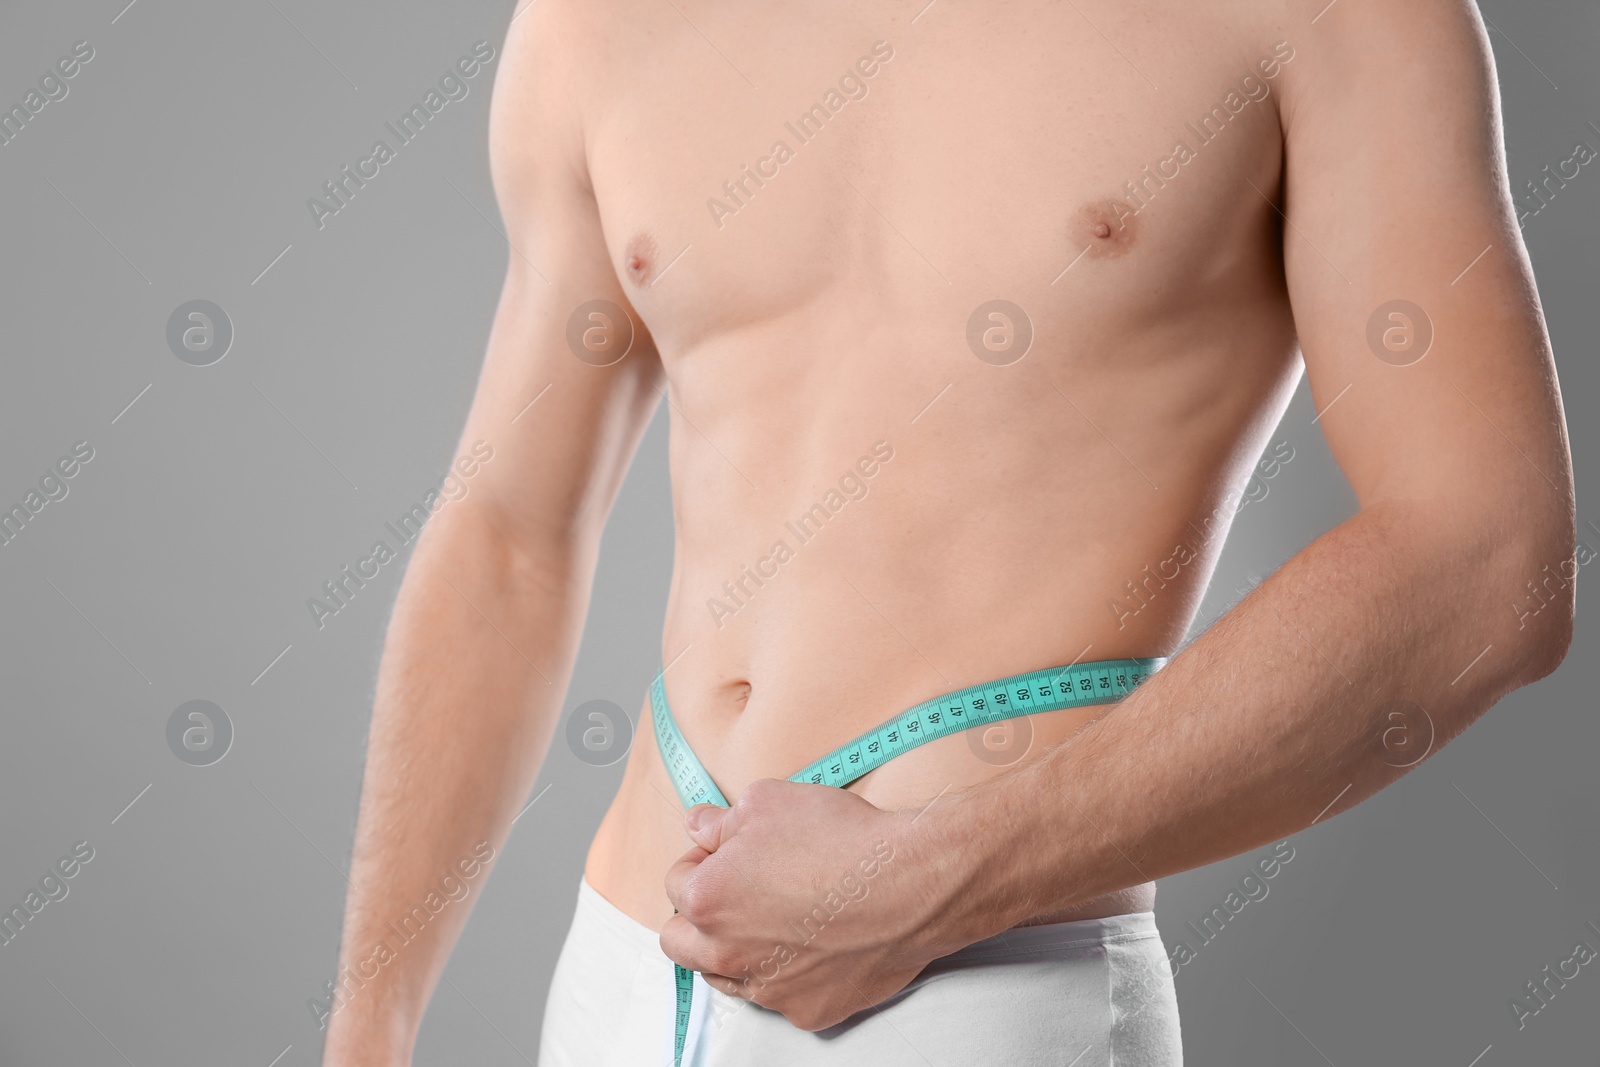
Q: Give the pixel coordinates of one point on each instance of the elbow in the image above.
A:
(520, 553)
(1543, 650)
(1545, 587)
(1542, 647)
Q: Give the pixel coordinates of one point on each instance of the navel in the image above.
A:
(639, 260)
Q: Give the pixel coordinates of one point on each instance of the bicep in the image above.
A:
(571, 376)
(1411, 288)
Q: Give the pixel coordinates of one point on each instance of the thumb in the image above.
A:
(704, 822)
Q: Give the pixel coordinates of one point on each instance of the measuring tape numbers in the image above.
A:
(1053, 689)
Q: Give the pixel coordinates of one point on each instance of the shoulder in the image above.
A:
(573, 42)
(1374, 59)
(562, 61)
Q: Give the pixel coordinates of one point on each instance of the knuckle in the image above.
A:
(758, 796)
(808, 1019)
(697, 901)
(720, 960)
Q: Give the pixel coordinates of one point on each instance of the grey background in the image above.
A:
(178, 567)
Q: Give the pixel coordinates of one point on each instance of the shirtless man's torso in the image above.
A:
(819, 315)
(972, 322)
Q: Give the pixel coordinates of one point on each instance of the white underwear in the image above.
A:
(1087, 993)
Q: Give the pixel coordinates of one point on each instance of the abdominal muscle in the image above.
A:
(819, 664)
(643, 833)
(975, 544)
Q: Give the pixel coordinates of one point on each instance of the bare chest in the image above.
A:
(755, 163)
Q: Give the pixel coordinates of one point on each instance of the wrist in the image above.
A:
(966, 848)
(368, 1042)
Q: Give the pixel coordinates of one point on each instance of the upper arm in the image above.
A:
(563, 428)
(1396, 190)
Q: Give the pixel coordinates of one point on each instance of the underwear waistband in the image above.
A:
(1052, 689)
(1019, 942)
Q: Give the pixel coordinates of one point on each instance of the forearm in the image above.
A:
(476, 662)
(1273, 719)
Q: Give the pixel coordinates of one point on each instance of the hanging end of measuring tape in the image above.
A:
(685, 983)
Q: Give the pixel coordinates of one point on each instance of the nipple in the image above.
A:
(639, 261)
(1104, 229)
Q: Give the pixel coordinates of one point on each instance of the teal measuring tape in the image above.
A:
(1053, 689)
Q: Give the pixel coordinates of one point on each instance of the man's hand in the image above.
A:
(803, 899)
(1431, 373)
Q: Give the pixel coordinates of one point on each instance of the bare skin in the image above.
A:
(834, 308)
(807, 319)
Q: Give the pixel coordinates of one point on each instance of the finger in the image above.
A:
(680, 871)
(705, 824)
(686, 946)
